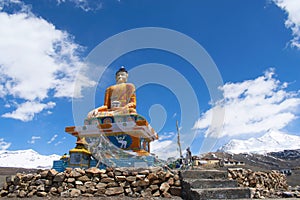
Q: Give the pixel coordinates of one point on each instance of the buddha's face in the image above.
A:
(121, 77)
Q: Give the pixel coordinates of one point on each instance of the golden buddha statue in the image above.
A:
(119, 99)
(118, 120)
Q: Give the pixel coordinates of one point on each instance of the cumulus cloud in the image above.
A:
(86, 5)
(37, 61)
(4, 145)
(33, 139)
(52, 139)
(166, 146)
(164, 149)
(292, 9)
(253, 107)
(26, 111)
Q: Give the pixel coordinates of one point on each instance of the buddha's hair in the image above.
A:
(122, 69)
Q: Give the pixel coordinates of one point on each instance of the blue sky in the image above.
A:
(254, 46)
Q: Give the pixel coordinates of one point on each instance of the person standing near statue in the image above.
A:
(188, 157)
(119, 98)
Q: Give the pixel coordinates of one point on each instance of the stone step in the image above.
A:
(220, 193)
(211, 183)
(204, 174)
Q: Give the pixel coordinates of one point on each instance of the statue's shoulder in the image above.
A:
(108, 89)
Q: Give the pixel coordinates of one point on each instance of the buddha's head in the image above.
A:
(121, 75)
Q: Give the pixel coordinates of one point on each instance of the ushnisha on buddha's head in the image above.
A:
(121, 75)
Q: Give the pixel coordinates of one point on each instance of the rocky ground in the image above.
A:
(257, 162)
(254, 162)
(7, 171)
(90, 184)
(271, 184)
(4, 172)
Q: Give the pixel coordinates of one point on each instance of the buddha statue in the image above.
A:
(118, 120)
(119, 99)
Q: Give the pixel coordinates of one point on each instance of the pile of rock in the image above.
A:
(94, 182)
(293, 192)
(264, 184)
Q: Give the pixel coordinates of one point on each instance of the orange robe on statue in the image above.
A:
(119, 99)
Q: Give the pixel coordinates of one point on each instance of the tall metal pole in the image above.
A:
(178, 139)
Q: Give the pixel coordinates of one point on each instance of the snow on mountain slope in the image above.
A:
(26, 159)
(272, 141)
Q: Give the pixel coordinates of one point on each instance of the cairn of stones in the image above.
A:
(94, 182)
(263, 184)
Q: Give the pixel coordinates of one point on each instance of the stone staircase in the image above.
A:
(210, 184)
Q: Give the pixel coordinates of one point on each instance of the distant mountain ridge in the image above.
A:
(26, 159)
(273, 141)
(286, 154)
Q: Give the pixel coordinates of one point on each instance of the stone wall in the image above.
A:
(264, 184)
(94, 182)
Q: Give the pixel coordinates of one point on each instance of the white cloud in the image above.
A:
(166, 146)
(37, 60)
(33, 139)
(166, 135)
(52, 139)
(4, 145)
(292, 8)
(15, 4)
(26, 111)
(164, 149)
(253, 107)
(2, 91)
(58, 143)
(86, 5)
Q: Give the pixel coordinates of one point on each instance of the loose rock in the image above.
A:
(93, 182)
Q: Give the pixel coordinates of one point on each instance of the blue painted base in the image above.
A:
(141, 161)
(138, 161)
(60, 165)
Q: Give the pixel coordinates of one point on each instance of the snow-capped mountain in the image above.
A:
(272, 141)
(26, 159)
